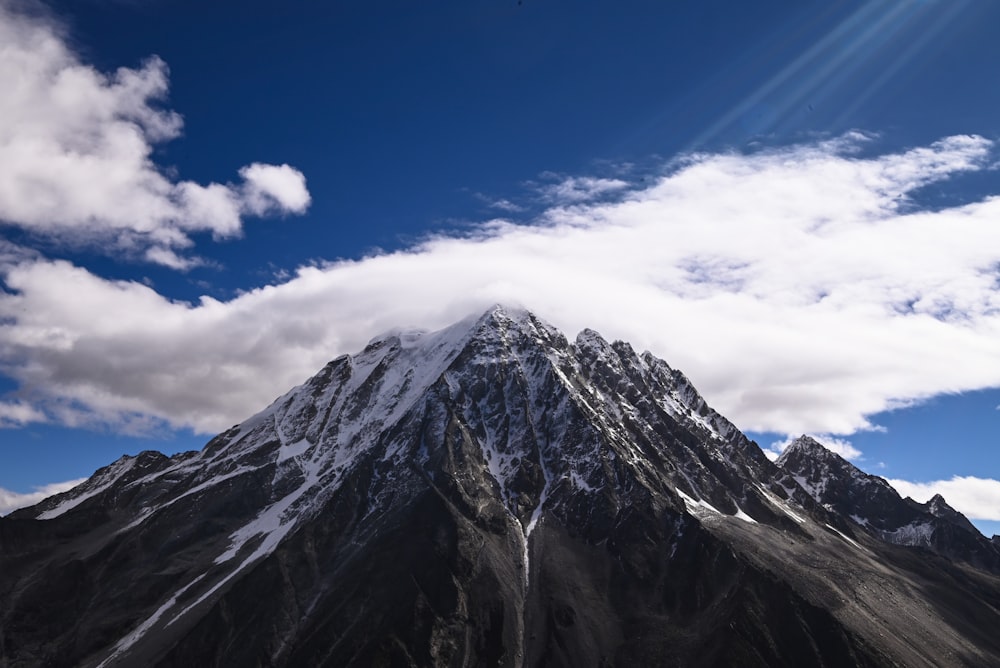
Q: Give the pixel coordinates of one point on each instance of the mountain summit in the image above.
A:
(488, 494)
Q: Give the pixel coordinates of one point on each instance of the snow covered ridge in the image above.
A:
(319, 431)
(361, 408)
(515, 434)
(873, 505)
(549, 421)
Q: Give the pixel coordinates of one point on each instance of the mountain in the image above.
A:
(872, 503)
(489, 494)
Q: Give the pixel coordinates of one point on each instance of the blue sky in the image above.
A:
(201, 203)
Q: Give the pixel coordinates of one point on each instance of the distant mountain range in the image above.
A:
(493, 494)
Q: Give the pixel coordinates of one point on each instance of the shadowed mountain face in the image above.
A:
(491, 495)
(872, 504)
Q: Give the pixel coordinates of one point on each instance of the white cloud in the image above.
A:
(10, 501)
(575, 189)
(506, 205)
(840, 446)
(274, 188)
(18, 414)
(499, 204)
(796, 287)
(976, 498)
(75, 154)
(168, 258)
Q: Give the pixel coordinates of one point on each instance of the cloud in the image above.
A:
(575, 189)
(18, 414)
(10, 501)
(506, 205)
(75, 155)
(272, 188)
(168, 258)
(499, 204)
(976, 498)
(800, 288)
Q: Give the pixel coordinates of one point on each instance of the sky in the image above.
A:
(793, 202)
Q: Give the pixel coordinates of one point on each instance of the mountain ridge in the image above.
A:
(488, 493)
(875, 506)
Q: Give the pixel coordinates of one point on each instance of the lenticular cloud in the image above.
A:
(802, 289)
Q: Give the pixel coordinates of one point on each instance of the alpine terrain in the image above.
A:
(493, 494)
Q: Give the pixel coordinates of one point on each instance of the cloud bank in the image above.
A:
(800, 288)
(75, 155)
(10, 501)
(976, 498)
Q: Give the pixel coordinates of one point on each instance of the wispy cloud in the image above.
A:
(10, 501)
(576, 189)
(797, 287)
(976, 498)
(19, 413)
(76, 147)
(503, 205)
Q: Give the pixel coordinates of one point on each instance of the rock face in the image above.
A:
(489, 495)
(871, 503)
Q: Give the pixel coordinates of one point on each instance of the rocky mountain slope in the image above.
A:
(489, 494)
(871, 503)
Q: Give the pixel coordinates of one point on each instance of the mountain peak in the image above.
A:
(871, 503)
(806, 446)
(498, 317)
(503, 316)
(488, 475)
(507, 311)
(938, 507)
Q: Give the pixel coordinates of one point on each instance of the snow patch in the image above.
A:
(133, 636)
(579, 482)
(914, 534)
(781, 505)
(844, 536)
(297, 449)
(694, 506)
(815, 490)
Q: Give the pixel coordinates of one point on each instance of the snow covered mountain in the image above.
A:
(489, 494)
(871, 503)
